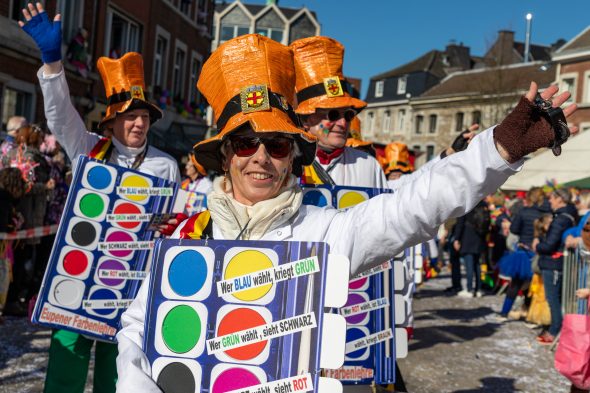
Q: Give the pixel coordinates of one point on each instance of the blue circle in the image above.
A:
(103, 294)
(99, 177)
(351, 335)
(187, 273)
(315, 198)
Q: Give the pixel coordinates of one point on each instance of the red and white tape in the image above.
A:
(29, 233)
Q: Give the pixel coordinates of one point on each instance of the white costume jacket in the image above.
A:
(69, 130)
(356, 168)
(407, 217)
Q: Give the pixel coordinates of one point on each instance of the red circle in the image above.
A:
(242, 319)
(75, 262)
(127, 208)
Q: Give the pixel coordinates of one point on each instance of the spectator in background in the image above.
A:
(470, 241)
(197, 184)
(77, 53)
(12, 126)
(551, 258)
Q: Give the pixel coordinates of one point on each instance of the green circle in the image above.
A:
(181, 329)
(91, 205)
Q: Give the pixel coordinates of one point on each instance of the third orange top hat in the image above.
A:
(319, 80)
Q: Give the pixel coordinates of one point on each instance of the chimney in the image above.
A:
(458, 56)
(505, 49)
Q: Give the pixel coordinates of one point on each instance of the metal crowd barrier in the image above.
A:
(576, 274)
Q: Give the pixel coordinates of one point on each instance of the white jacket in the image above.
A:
(69, 130)
(356, 168)
(407, 217)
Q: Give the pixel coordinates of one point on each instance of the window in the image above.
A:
(386, 121)
(416, 149)
(229, 31)
(419, 123)
(459, 121)
(178, 74)
(429, 152)
(16, 103)
(185, 6)
(275, 34)
(586, 97)
(379, 88)
(71, 16)
(401, 118)
(123, 35)
(476, 117)
(402, 81)
(432, 124)
(568, 83)
(196, 64)
(371, 118)
(17, 6)
(161, 57)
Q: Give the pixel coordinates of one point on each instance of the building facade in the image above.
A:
(174, 37)
(282, 24)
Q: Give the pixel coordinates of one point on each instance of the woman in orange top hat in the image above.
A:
(326, 105)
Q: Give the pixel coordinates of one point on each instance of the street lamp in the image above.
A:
(527, 41)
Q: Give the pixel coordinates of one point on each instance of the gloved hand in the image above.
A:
(47, 36)
(170, 226)
(460, 142)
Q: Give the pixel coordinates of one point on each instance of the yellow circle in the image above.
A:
(349, 199)
(246, 262)
(138, 182)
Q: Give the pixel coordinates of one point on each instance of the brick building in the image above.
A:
(174, 37)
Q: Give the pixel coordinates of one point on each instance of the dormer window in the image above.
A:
(402, 81)
(379, 85)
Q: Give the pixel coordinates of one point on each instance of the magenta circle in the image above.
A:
(233, 379)
(355, 298)
(120, 236)
(357, 284)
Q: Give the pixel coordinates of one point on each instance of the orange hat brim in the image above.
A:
(134, 103)
(208, 152)
(353, 142)
(309, 106)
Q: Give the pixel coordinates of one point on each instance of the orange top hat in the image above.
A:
(319, 79)
(397, 158)
(198, 166)
(250, 80)
(124, 86)
(356, 139)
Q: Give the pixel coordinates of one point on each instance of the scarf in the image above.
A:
(326, 157)
(129, 153)
(251, 222)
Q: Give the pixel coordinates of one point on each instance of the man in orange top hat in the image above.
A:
(129, 116)
(327, 107)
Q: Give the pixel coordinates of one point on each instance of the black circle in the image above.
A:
(83, 233)
(176, 378)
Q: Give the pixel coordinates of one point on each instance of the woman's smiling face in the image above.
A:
(261, 174)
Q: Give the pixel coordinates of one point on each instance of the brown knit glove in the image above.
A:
(524, 131)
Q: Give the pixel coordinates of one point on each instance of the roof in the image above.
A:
(426, 62)
(537, 52)
(581, 41)
(254, 9)
(496, 80)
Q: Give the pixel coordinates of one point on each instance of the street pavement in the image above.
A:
(459, 347)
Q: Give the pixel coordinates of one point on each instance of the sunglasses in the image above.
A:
(246, 146)
(336, 114)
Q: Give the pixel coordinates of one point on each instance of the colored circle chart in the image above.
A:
(353, 334)
(233, 379)
(119, 236)
(176, 378)
(67, 292)
(315, 198)
(187, 273)
(111, 264)
(92, 205)
(83, 233)
(246, 262)
(103, 294)
(135, 181)
(349, 199)
(355, 285)
(355, 298)
(181, 329)
(127, 208)
(242, 319)
(99, 177)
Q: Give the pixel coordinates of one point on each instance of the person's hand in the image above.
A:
(46, 34)
(457, 245)
(525, 129)
(462, 140)
(572, 242)
(170, 226)
(583, 293)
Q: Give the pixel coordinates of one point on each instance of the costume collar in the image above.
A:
(128, 152)
(326, 157)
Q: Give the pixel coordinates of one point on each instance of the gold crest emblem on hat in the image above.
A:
(333, 87)
(137, 92)
(254, 98)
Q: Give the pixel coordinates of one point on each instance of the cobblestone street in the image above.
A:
(459, 347)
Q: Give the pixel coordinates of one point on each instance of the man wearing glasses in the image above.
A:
(326, 107)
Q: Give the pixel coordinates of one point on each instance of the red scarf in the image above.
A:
(325, 157)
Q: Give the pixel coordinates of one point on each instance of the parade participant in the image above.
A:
(129, 115)
(196, 183)
(326, 107)
(13, 124)
(258, 198)
(355, 138)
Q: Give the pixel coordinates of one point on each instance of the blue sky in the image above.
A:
(382, 34)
